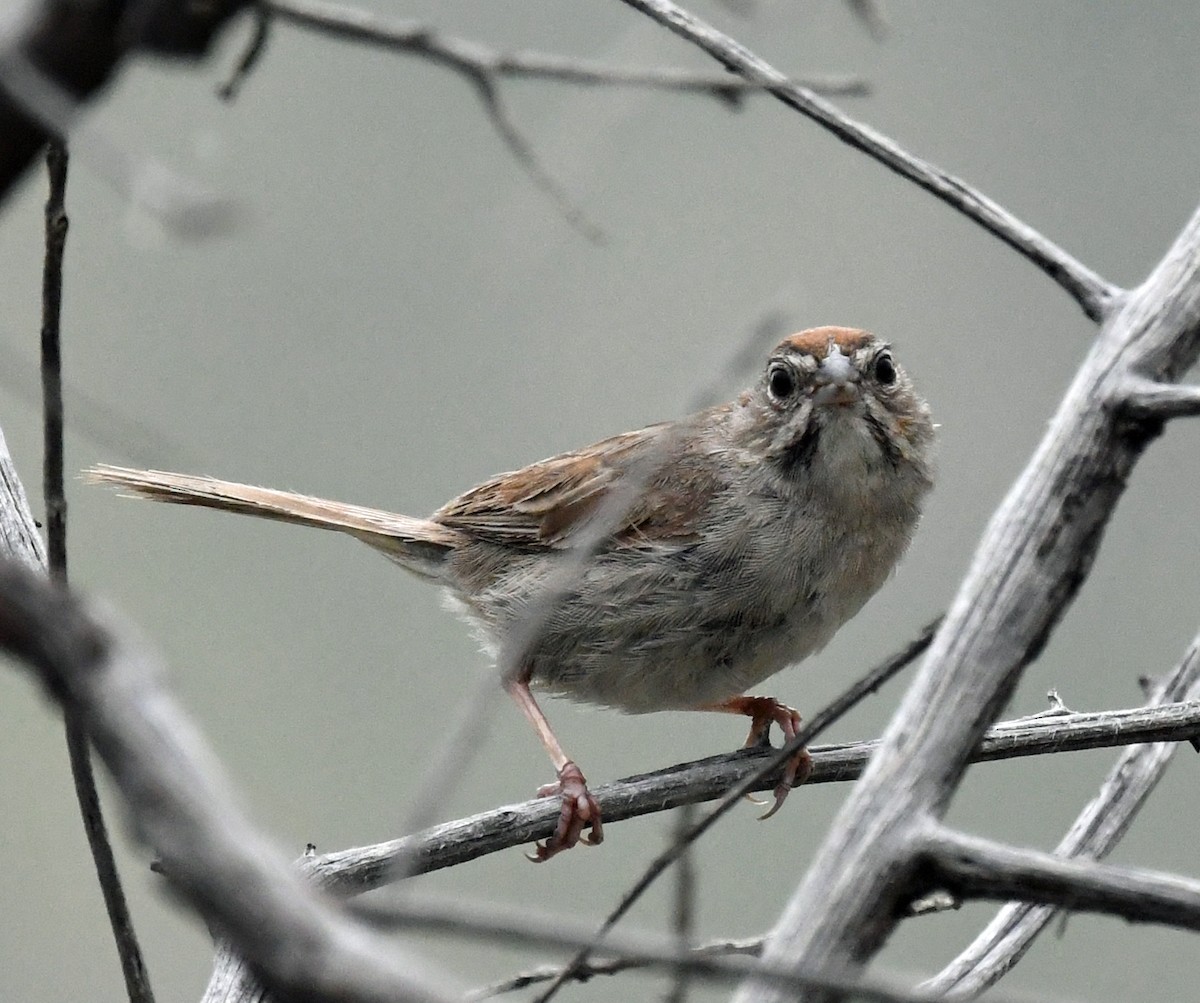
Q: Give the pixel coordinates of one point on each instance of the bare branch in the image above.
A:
(1162, 400)
(473, 59)
(872, 16)
(683, 919)
(364, 868)
(524, 154)
(1032, 559)
(497, 924)
(133, 967)
(78, 47)
(1099, 827)
(19, 536)
(1096, 831)
(973, 867)
(361, 869)
(296, 940)
(485, 68)
(1093, 294)
(751, 947)
(250, 56)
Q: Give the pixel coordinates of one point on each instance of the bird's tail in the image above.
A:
(419, 545)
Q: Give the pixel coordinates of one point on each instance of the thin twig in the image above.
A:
(683, 913)
(1093, 294)
(525, 155)
(485, 68)
(472, 58)
(750, 947)
(137, 979)
(52, 396)
(251, 55)
(823, 719)
(361, 869)
(498, 924)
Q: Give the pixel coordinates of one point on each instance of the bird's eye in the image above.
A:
(781, 382)
(885, 369)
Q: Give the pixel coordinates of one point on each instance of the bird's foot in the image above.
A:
(580, 811)
(763, 712)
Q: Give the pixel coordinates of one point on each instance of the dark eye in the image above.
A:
(885, 369)
(781, 383)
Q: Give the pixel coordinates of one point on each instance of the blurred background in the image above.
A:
(402, 313)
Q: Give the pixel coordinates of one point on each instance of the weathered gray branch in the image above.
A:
(1099, 827)
(296, 939)
(974, 867)
(361, 869)
(1036, 552)
(364, 868)
(19, 536)
(300, 945)
(1162, 400)
(1093, 294)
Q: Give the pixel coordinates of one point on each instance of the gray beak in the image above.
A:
(836, 380)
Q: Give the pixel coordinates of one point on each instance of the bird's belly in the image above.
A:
(676, 644)
(656, 631)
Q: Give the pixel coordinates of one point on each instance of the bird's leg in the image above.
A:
(579, 809)
(763, 711)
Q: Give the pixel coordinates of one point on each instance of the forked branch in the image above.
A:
(1033, 557)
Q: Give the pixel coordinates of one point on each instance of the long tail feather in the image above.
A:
(419, 545)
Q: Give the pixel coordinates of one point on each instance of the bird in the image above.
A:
(673, 567)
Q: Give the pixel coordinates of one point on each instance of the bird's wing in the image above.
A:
(642, 487)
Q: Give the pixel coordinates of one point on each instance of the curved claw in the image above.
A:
(580, 811)
(798, 769)
(763, 712)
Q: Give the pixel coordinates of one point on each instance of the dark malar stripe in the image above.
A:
(797, 457)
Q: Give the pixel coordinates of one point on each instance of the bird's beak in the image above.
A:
(836, 381)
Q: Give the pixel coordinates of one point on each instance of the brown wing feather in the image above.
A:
(546, 503)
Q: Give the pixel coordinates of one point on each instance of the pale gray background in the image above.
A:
(404, 314)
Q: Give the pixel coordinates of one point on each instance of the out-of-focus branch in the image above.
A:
(751, 947)
(1090, 291)
(474, 59)
(133, 968)
(77, 47)
(296, 940)
(485, 69)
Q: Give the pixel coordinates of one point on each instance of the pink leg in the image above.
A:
(762, 711)
(579, 809)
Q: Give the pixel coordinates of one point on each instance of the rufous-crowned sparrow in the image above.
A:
(738, 540)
